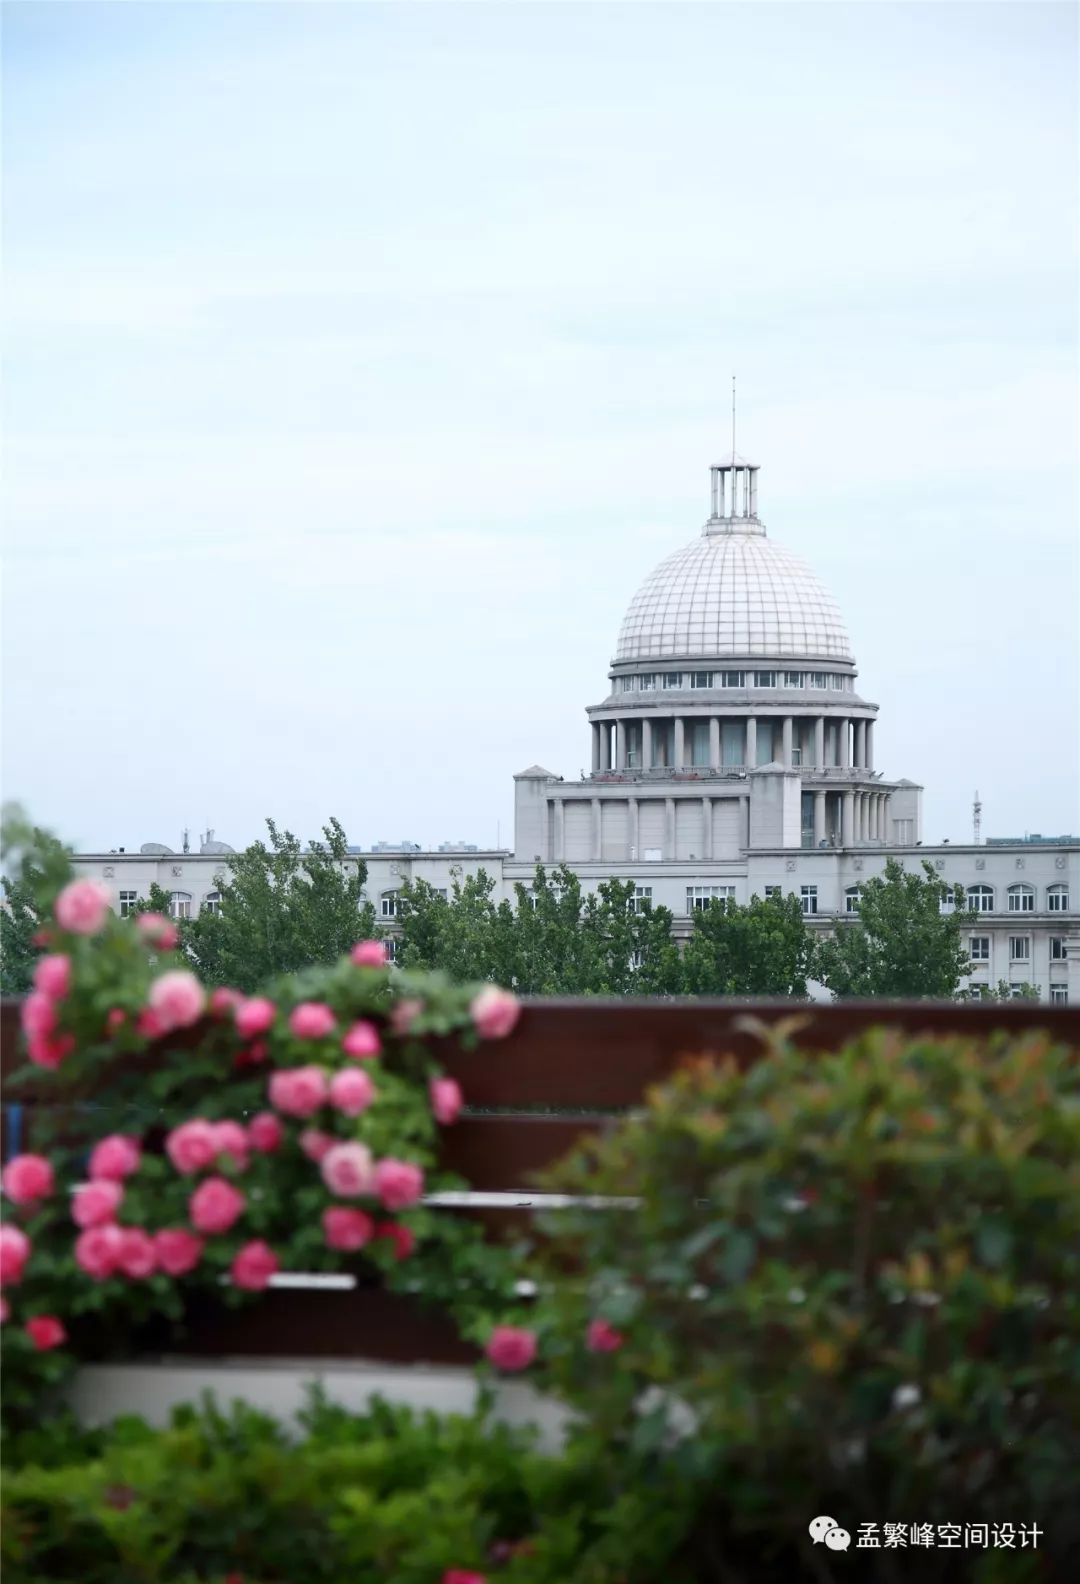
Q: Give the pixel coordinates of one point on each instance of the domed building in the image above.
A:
(732, 724)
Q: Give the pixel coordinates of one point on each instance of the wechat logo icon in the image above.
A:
(829, 1530)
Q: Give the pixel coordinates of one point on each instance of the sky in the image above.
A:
(362, 360)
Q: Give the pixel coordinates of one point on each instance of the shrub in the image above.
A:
(849, 1285)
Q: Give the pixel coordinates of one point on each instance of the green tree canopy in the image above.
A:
(763, 949)
(901, 943)
(36, 866)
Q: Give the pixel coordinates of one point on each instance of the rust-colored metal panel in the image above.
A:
(499, 1152)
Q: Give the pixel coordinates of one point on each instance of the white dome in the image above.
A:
(732, 592)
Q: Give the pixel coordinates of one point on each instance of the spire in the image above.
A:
(734, 488)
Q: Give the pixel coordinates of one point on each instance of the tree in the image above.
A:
(283, 907)
(902, 942)
(37, 865)
(1009, 992)
(758, 950)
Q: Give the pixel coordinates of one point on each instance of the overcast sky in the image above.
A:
(362, 360)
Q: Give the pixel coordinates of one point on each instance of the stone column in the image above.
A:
(680, 745)
(750, 756)
(706, 827)
(819, 818)
(844, 757)
(864, 816)
(860, 742)
(596, 816)
(819, 742)
(595, 746)
(714, 741)
(744, 821)
(620, 745)
(886, 816)
(560, 830)
(847, 821)
(669, 828)
(869, 745)
(635, 831)
(787, 742)
(646, 744)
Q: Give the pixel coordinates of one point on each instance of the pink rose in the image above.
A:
(150, 1024)
(178, 998)
(346, 1170)
(265, 1133)
(138, 1253)
(38, 1015)
(231, 1139)
(315, 1143)
(346, 1229)
(192, 1146)
(83, 906)
(157, 931)
(351, 1091)
(254, 1016)
(298, 1091)
(52, 976)
(96, 1203)
(402, 1237)
(446, 1100)
(45, 1332)
(97, 1250)
(49, 1050)
(602, 1337)
(14, 1253)
(494, 1012)
(463, 1576)
(116, 1019)
(369, 954)
(27, 1178)
(311, 1020)
(224, 1002)
(5, 1311)
(215, 1205)
(115, 1156)
(254, 1265)
(362, 1041)
(404, 1015)
(511, 1348)
(251, 1055)
(398, 1183)
(177, 1250)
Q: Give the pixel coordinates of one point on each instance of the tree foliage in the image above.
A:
(763, 949)
(901, 943)
(36, 865)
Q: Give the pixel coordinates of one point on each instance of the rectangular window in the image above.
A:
(773, 891)
(796, 756)
(1057, 900)
(1059, 948)
(1021, 901)
(389, 904)
(128, 903)
(701, 679)
(641, 898)
(818, 679)
(793, 679)
(390, 946)
(836, 681)
(647, 682)
(736, 679)
(1019, 948)
(764, 678)
(979, 948)
(699, 897)
(637, 958)
(809, 899)
(673, 679)
(851, 899)
(627, 684)
(1059, 994)
(975, 993)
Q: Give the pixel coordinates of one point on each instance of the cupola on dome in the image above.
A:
(733, 592)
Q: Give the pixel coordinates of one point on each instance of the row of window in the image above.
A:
(1059, 993)
(1019, 948)
(651, 681)
(1021, 899)
(180, 903)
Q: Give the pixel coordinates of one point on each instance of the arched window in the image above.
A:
(388, 904)
(851, 899)
(1057, 899)
(1021, 899)
(981, 898)
(180, 905)
(212, 902)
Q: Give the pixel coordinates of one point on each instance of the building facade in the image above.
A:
(732, 755)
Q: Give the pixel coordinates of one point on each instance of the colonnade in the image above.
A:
(849, 742)
(864, 817)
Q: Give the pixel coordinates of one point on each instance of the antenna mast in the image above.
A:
(733, 420)
(976, 819)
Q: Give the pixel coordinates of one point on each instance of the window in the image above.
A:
(809, 899)
(764, 678)
(1017, 993)
(388, 904)
(673, 679)
(128, 902)
(699, 897)
(1057, 899)
(1021, 899)
(793, 679)
(641, 899)
(637, 958)
(626, 684)
(1059, 994)
(980, 898)
(390, 946)
(180, 905)
(818, 679)
(1059, 949)
(733, 679)
(212, 902)
(796, 756)
(836, 681)
(647, 682)
(975, 992)
(979, 948)
(1019, 948)
(851, 899)
(701, 679)
(948, 898)
(773, 891)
